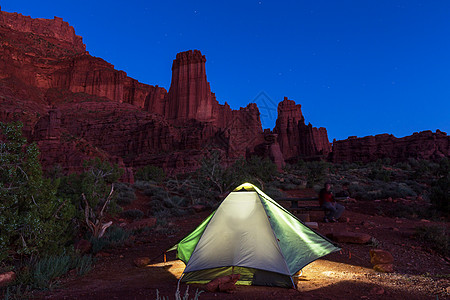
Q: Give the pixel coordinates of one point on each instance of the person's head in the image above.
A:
(345, 186)
(327, 185)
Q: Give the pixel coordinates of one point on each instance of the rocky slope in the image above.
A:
(76, 106)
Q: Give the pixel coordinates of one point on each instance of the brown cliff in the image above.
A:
(296, 139)
(423, 145)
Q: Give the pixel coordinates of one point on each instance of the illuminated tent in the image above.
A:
(252, 235)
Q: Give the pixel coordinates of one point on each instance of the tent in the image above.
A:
(252, 235)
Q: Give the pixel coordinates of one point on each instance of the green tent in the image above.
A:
(252, 235)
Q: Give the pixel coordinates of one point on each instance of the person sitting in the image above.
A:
(333, 210)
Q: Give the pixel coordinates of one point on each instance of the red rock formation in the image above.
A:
(55, 29)
(189, 95)
(423, 145)
(296, 139)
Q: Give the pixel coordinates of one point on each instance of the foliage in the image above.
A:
(94, 185)
(134, 214)
(124, 193)
(440, 192)
(33, 220)
(114, 236)
(43, 273)
(148, 173)
(178, 295)
(215, 176)
(436, 237)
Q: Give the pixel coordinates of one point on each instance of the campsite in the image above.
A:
(419, 271)
(224, 149)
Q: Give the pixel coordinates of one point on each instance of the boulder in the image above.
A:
(350, 237)
(141, 262)
(378, 256)
(385, 268)
(7, 278)
(224, 281)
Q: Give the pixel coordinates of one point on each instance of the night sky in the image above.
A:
(356, 67)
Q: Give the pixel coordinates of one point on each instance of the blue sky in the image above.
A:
(356, 67)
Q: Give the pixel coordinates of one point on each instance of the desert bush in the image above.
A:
(380, 174)
(43, 272)
(440, 191)
(148, 173)
(134, 214)
(381, 190)
(92, 193)
(124, 193)
(114, 236)
(436, 237)
(33, 220)
(143, 185)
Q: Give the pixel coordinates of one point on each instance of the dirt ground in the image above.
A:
(419, 272)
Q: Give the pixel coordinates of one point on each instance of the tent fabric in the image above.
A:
(249, 276)
(252, 233)
(239, 234)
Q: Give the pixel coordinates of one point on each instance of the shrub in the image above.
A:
(125, 193)
(114, 236)
(43, 272)
(440, 191)
(134, 214)
(148, 173)
(33, 220)
(436, 237)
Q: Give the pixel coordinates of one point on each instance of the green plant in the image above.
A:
(178, 295)
(33, 220)
(134, 214)
(114, 236)
(92, 192)
(125, 193)
(148, 173)
(435, 237)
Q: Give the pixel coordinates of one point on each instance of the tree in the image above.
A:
(33, 220)
(91, 192)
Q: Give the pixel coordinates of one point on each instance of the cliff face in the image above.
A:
(423, 145)
(76, 107)
(296, 139)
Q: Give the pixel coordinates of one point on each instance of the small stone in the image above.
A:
(350, 237)
(425, 221)
(378, 256)
(7, 278)
(141, 261)
(385, 268)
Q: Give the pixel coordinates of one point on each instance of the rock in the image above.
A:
(350, 237)
(296, 139)
(83, 246)
(425, 221)
(141, 261)
(312, 225)
(148, 222)
(385, 268)
(228, 287)
(378, 256)
(7, 278)
(423, 145)
(225, 281)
